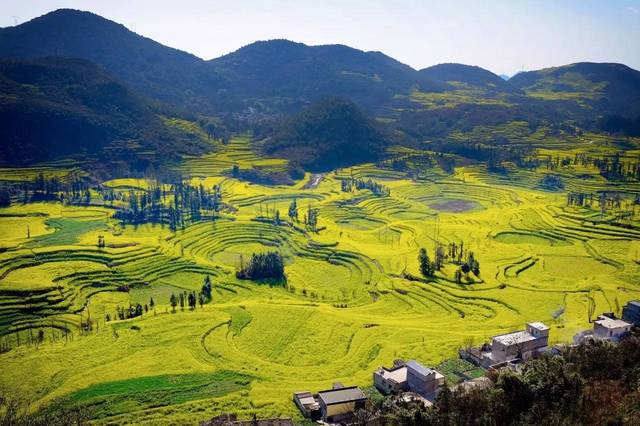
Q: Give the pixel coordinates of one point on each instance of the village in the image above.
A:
(412, 381)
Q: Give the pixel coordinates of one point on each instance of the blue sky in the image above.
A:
(502, 36)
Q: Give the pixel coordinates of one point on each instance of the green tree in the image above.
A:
(173, 300)
(426, 268)
(293, 210)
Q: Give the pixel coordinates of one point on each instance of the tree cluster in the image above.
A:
(311, 218)
(261, 266)
(132, 311)
(456, 254)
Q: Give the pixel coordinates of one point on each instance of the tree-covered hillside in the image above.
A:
(607, 88)
(54, 107)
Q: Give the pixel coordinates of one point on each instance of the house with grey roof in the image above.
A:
(341, 403)
(422, 380)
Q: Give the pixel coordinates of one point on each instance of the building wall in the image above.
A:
(609, 333)
(336, 410)
(422, 385)
(501, 352)
(631, 313)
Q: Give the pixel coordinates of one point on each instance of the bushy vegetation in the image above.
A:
(594, 383)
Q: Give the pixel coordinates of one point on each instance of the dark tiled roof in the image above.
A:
(338, 396)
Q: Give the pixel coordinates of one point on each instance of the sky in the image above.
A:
(503, 36)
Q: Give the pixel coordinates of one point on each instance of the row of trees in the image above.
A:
(47, 188)
(193, 298)
(268, 265)
(606, 201)
(181, 204)
(615, 167)
(378, 189)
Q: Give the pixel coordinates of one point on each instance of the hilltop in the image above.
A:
(284, 75)
(466, 74)
(155, 70)
(329, 134)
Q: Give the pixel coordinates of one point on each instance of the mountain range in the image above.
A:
(92, 84)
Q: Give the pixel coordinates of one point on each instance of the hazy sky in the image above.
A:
(502, 36)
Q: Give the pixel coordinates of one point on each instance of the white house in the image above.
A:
(522, 344)
(606, 328)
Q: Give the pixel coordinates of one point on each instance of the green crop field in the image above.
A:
(351, 300)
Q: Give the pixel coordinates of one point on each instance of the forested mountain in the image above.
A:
(268, 80)
(53, 107)
(283, 75)
(272, 76)
(329, 134)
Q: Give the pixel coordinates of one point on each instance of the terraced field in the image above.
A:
(348, 304)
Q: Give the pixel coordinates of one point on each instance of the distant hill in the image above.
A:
(270, 76)
(607, 88)
(505, 77)
(154, 70)
(52, 107)
(282, 74)
(329, 134)
(468, 74)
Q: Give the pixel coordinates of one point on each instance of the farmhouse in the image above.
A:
(340, 403)
(504, 348)
(409, 377)
(608, 328)
(631, 312)
(520, 344)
